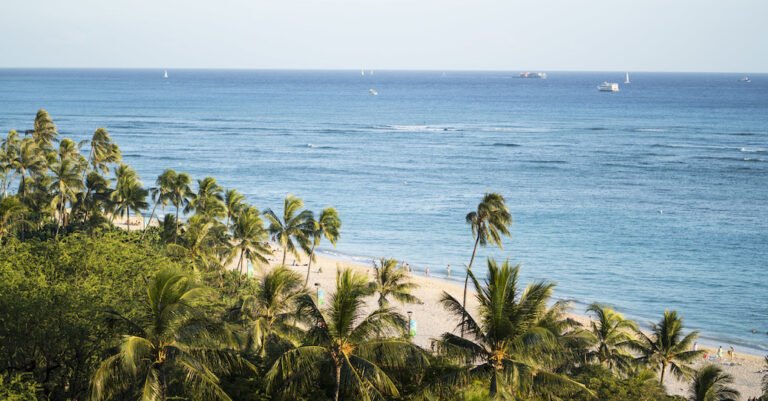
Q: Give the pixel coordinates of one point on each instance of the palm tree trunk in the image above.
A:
(309, 264)
(149, 222)
(337, 384)
(494, 386)
(176, 233)
(466, 282)
(663, 370)
(90, 155)
(285, 253)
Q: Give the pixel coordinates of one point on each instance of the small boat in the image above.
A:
(373, 92)
(608, 87)
(528, 74)
(165, 74)
(626, 80)
(362, 72)
(745, 79)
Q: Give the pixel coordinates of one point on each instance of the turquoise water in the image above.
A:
(650, 198)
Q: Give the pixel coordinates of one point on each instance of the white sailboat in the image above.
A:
(165, 74)
(362, 72)
(626, 80)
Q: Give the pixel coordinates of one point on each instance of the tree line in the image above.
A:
(167, 310)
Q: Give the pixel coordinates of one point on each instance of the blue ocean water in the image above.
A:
(650, 198)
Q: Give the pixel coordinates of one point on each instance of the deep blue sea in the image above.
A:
(650, 198)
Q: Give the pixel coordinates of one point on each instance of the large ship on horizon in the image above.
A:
(528, 74)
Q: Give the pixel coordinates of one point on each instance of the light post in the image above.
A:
(320, 294)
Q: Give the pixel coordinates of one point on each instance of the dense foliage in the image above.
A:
(99, 303)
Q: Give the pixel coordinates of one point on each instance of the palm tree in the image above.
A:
(65, 186)
(208, 200)
(765, 380)
(206, 242)
(249, 238)
(666, 347)
(293, 226)
(234, 202)
(28, 161)
(710, 383)
(328, 226)
(11, 213)
(392, 281)
(170, 341)
(269, 309)
(179, 195)
(161, 193)
(507, 342)
(610, 335)
(347, 343)
(103, 151)
(128, 193)
(9, 148)
(489, 222)
(45, 130)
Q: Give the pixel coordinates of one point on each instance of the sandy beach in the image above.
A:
(432, 320)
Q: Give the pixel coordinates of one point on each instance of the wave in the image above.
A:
(649, 130)
(506, 145)
(544, 161)
(754, 150)
(416, 128)
(313, 146)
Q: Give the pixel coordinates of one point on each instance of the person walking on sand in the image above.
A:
(731, 353)
(448, 271)
(426, 271)
(719, 352)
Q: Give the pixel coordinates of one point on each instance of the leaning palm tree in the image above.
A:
(128, 193)
(294, 226)
(206, 242)
(328, 226)
(161, 193)
(103, 151)
(392, 281)
(710, 383)
(346, 343)
(611, 335)
(268, 309)
(9, 148)
(28, 161)
(489, 222)
(170, 341)
(208, 201)
(667, 348)
(11, 214)
(507, 343)
(65, 187)
(249, 237)
(234, 202)
(45, 131)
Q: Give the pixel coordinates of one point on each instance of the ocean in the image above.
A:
(651, 198)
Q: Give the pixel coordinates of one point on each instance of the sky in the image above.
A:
(546, 35)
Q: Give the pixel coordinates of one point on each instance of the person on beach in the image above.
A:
(695, 346)
(426, 271)
(720, 352)
(731, 353)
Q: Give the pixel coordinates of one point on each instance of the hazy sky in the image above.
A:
(634, 35)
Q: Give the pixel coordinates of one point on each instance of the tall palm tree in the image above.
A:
(610, 336)
(206, 242)
(293, 226)
(28, 161)
(45, 131)
(95, 198)
(161, 193)
(208, 200)
(489, 223)
(9, 148)
(666, 347)
(249, 237)
(169, 341)
(710, 383)
(179, 195)
(392, 281)
(128, 193)
(11, 213)
(269, 308)
(234, 202)
(347, 343)
(103, 151)
(328, 226)
(65, 187)
(508, 340)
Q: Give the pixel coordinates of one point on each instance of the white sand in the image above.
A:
(432, 320)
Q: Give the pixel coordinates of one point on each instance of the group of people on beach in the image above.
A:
(407, 267)
(731, 353)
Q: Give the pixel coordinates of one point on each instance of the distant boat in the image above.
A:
(370, 72)
(539, 75)
(745, 79)
(608, 87)
(165, 74)
(362, 72)
(626, 80)
(373, 92)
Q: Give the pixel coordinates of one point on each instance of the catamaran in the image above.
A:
(608, 87)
